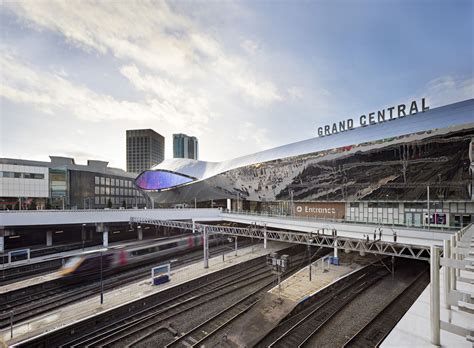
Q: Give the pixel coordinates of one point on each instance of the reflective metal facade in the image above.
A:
(390, 160)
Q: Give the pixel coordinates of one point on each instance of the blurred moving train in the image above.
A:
(115, 257)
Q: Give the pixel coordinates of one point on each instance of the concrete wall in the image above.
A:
(63, 217)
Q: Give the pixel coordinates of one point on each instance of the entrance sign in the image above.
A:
(372, 118)
(321, 210)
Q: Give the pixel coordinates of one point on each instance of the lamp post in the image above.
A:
(101, 280)
(82, 236)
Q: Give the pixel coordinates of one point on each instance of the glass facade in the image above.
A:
(112, 189)
(58, 182)
(159, 180)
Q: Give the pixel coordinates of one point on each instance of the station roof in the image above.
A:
(439, 120)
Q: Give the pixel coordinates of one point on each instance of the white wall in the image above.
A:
(20, 187)
(60, 217)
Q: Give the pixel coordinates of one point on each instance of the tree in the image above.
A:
(109, 204)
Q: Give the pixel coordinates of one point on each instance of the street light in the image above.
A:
(101, 281)
(82, 236)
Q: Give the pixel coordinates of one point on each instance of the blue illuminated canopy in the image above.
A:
(160, 179)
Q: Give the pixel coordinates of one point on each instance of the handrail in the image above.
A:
(328, 220)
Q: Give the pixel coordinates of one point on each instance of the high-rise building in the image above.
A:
(185, 146)
(145, 149)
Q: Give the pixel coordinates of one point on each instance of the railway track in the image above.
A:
(142, 326)
(42, 301)
(148, 320)
(377, 329)
(298, 329)
(198, 335)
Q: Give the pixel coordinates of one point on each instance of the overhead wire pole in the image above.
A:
(434, 296)
(206, 247)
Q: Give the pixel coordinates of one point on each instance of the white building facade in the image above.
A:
(20, 184)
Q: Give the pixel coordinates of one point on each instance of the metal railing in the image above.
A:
(345, 221)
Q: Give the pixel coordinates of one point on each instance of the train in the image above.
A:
(115, 257)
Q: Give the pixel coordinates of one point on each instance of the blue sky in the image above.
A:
(241, 76)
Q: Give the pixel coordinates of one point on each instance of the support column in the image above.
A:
(205, 244)
(265, 237)
(458, 255)
(434, 296)
(447, 273)
(83, 233)
(105, 238)
(335, 252)
(452, 270)
(235, 238)
(194, 227)
(140, 232)
(49, 238)
(2, 239)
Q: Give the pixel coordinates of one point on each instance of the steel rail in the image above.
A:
(359, 284)
(378, 318)
(105, 333)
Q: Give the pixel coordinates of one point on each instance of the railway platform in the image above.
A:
(85, 309)
(294, 290)
(455, 313)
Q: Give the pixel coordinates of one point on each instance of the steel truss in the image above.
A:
(418, 252)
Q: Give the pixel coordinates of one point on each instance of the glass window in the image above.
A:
(97, 180)
(112, 191)
(102, 180)
(97, 200)
(112, 182)
(157, 180)
(107, 181)
(97, 190)
(102, 190)
(107, 191)
(17, 175)
(102, 200)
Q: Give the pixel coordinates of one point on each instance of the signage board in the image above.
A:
(371, 118)
(321, 210)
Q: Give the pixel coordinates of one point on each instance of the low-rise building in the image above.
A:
(63, 184)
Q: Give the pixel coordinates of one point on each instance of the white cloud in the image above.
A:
(51, 93)
(249, 46)
(448, 89)
(151, 35)
(296, 93)
(248, 131)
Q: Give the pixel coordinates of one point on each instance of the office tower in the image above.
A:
(185, 146)
(145, 149)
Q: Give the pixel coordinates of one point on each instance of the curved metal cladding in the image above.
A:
(156, 180)
(342, 166)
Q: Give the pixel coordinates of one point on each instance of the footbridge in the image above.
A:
(329, 238)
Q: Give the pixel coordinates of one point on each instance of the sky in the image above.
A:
(242, 76)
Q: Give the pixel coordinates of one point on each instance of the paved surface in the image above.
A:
(405, 235)
(29, 282)
(413, 330)
(270, 311)
(114, 298)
